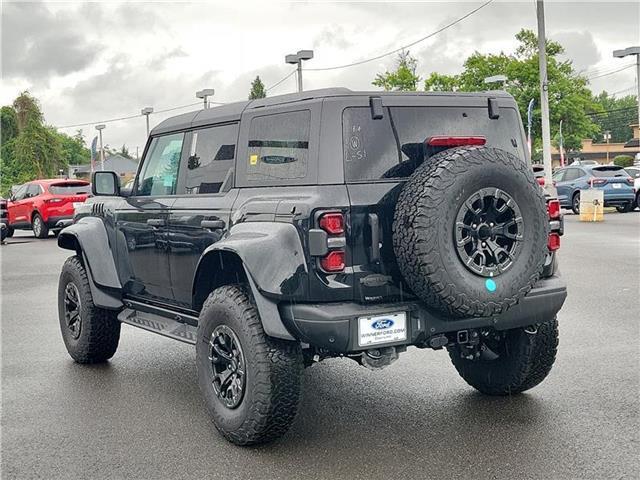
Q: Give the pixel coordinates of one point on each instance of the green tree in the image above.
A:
(124, 151)
(615, 115)
(623, 161)
(570, 99)
(403, 78)
(72, 149)
(257, 89)
(27, 108)
(8, 124)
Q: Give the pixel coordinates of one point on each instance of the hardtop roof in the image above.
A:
(231, 112)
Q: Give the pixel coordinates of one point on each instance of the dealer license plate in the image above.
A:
(388, 328)
(616, 185)
(76, 204)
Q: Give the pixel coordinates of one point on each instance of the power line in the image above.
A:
(360, 62)
(598, 70)
(281, 80)
(129, 117)
(604, 112)
(610, 73)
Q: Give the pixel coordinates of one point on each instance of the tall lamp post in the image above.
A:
(607, 138)
(146, 111)
(100, 128)
(296, 59)
(500, 79)
(204, 94)
(544, 92)
(632, 51)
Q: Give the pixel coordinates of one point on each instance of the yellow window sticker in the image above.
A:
(253, 159)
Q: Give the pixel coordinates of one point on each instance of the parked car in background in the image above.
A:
(4, 229)
(613, 180)
(634, 172)
(44, 205)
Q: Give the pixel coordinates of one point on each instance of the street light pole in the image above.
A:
(205, 94)
(607, 138)
(632, 51)
(100, 128)
(544, 92)
(296, 59)
(561, 146)
(146, 112)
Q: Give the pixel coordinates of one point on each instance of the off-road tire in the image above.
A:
(530, 354)
(273, 371)
(575, 203)
(40, 229)
(626, 208)
(10, 231)
(424, 222)
(99, 328)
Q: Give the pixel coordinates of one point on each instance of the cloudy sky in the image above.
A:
(91, 62)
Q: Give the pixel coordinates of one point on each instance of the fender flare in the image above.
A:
(88, 237)
(273, 260)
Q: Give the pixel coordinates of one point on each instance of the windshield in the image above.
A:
(69, 188)
(392, 147)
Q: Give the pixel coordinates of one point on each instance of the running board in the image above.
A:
(159, 324)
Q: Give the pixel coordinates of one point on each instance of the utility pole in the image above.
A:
(146, 112)
(296, 59)
(100, 128)
(544, 92)
(561, 146)
(632, 51)
(607, 138)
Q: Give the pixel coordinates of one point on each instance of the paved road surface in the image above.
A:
(141, 415)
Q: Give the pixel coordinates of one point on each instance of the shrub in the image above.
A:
(623, 160)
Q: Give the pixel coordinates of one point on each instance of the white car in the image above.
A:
(635, 174)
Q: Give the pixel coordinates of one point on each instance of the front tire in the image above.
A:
(515, 361)
(91, 334)
(40, 229)
(250, 381)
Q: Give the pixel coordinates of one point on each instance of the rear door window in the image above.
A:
(392, 147)
(210, 164)
(279, 146)
(159, 173)
(33, 190)
(573, 174)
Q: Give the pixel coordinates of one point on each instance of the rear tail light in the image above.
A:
(553, 243)
(553, 209)
(540, 181)
(444, 141)
(333, 261)
(332, 223)
(597, 181)
(630, 181)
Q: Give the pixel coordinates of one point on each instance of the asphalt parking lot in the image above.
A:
(141, 415)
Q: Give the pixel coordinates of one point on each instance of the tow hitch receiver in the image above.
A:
(469, 340)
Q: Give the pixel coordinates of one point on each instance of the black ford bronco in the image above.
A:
(279, 232)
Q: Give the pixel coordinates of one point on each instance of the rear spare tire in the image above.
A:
(470, 231)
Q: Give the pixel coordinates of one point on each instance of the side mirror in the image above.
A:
(105, 184)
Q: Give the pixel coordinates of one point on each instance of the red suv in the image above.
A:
(42, 205)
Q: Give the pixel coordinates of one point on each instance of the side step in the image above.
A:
(159, 324)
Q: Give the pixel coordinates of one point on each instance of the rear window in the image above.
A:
(392, 147)
(609, 172)
(69, 188)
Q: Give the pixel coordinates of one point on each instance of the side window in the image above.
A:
(33, 190)
(211, 160)
(20, 192)
(279, 146)
(558, 176)
(572, 174)
(159, 173)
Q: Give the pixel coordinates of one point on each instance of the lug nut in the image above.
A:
(491, 224)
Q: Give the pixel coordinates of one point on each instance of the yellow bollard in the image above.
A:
(592, 205)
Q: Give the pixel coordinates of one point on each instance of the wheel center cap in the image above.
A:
(484, 232)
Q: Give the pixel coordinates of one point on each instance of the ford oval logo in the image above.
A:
(382, 324)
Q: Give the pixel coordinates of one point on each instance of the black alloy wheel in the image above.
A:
(227, 365)
(72, 309)
(489, 232)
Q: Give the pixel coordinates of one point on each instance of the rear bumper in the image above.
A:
(59, 221)
(334, 326)
(613, 199)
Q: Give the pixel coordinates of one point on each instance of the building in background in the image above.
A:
(125, 167)
(598, 151)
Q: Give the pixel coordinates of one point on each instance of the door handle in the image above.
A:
(213, 224)
(156, 222)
